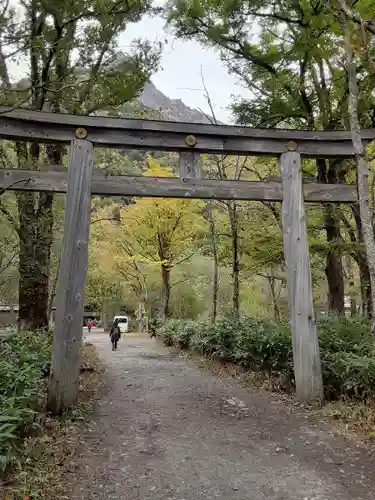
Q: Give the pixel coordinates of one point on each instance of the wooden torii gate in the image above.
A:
(82, 134)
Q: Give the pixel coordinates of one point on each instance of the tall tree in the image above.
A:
(220, 166)
(161, 233)
(70, 50)
(348, 16)
(209, 215)
(293, 82)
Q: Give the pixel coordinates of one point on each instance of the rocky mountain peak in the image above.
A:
(170, 109)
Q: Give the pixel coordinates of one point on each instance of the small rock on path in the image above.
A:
(165, 431)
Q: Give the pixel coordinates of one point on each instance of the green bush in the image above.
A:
(168, 331)
(345, 335)
(24, 363)
(183, 334)
(347, 349)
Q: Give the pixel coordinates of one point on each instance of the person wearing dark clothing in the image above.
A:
(115, 336)
(153, 326)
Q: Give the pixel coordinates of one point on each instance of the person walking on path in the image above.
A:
(153, 327)
(115, 336)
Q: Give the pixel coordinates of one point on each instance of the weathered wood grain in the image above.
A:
(190, 165)
(307, 366)
(102, 122)
(167, 187)
(64, 375)
(170, 136)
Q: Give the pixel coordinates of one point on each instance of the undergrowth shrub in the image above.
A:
(347, 349)
(345, 335)
(24, 364)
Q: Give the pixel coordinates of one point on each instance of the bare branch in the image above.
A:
(179, 282)
(279, 278)
(9, 262)
(208, 99)
(184, 259)
(109, 219)
(25, 180)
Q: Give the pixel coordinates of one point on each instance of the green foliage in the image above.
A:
(150, 242)
(289, 57)
(72, 63)
(275, 67)
(24, 361)
(183, 333)
(76, 63)
(347, 350)
(345, 335)
(348, 357)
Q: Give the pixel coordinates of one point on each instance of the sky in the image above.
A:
(181, 67)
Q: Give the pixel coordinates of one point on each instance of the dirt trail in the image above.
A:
(165, 431)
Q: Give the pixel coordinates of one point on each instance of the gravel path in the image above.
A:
(165, 431)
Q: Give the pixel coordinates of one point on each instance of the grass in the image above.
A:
(44, 448)
(353, 419)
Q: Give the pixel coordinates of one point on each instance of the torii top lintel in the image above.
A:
(37, 126)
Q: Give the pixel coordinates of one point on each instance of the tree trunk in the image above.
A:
(361, 259)
(34, 258)
(165, 267)
(35, 212)
(215, 278)
(232, 210)
(166, 279)
(351, 289)
(276, 310)
(215, 282)
(105, 316)
(366, 296)
(44, 241)
(361, 159)
(368, 234)
(52, 294)
(334, 268)
(140, 322)
(27, 264)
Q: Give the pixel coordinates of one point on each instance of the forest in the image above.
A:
(185, 259)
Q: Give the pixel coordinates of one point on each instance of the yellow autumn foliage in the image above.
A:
(151, 232)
